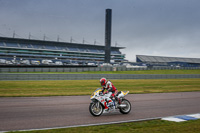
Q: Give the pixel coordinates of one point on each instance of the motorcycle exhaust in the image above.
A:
(122, 106)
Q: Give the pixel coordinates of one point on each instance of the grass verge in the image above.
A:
(86, 87)
(154, 126)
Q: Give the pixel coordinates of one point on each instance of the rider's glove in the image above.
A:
(105, 92)
(101, 93)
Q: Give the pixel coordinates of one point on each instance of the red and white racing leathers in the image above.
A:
(110, 88)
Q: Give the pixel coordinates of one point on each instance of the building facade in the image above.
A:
(168, 61)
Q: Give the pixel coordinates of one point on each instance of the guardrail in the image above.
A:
(8, 76)
(83, 69)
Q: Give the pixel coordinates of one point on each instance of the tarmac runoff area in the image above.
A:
(42, 113)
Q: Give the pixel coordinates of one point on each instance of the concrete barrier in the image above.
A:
(18, 76)
(83, 69)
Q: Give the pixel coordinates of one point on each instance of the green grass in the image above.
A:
(154, 126)
(128, 72)
(86, 87)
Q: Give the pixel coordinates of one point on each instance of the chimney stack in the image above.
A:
(108, 25)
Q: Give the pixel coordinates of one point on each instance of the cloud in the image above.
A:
(153, 27)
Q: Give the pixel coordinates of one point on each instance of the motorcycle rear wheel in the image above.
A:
(126, 109)
(96, 109)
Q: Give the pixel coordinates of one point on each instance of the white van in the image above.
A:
(47, 62)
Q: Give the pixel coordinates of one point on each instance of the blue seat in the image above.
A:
(61, 48)
(115, 52)
(93, 50)
(73, 49)
(38, 46)
(50, 47)
(1, 44)
(83, 49)
(25, 45)
(12, 45)
(101, 51)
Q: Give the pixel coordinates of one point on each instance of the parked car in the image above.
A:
(58, 63)
(35, 62)
(47, 62)
(2, 61)
(25, 62)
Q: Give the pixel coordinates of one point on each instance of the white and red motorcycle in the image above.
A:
(97, 106)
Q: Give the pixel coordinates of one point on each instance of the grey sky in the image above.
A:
(144, 27)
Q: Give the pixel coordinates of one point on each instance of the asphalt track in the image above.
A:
(22, 113)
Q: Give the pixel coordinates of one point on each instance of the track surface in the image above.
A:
(47, 112)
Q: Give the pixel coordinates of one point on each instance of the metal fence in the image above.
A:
(83, 69)
(17, 76)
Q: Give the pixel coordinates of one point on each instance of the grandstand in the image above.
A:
(168, 61)
(18, 50)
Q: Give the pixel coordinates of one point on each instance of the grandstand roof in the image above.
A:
(162, 59)
(21, 40)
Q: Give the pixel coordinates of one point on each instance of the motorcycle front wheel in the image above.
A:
(95, 108)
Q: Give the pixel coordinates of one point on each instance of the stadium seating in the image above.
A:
(50, 47)
(115, 52)
(25, 46)
(2, 44)
(22, 49)
(12, 45)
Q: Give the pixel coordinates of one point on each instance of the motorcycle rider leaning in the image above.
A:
(110, 88)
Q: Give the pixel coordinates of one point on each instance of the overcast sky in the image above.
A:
(144, 27)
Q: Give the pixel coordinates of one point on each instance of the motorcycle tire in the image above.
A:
(92, 109)
(127, 109)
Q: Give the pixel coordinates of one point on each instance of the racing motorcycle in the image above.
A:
(97, 106)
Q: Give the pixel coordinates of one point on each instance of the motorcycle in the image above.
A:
(97, 106)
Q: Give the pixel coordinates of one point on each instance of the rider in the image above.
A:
(110, 88)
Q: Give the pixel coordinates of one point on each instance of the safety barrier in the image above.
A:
(83, 69)
(18, 76)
